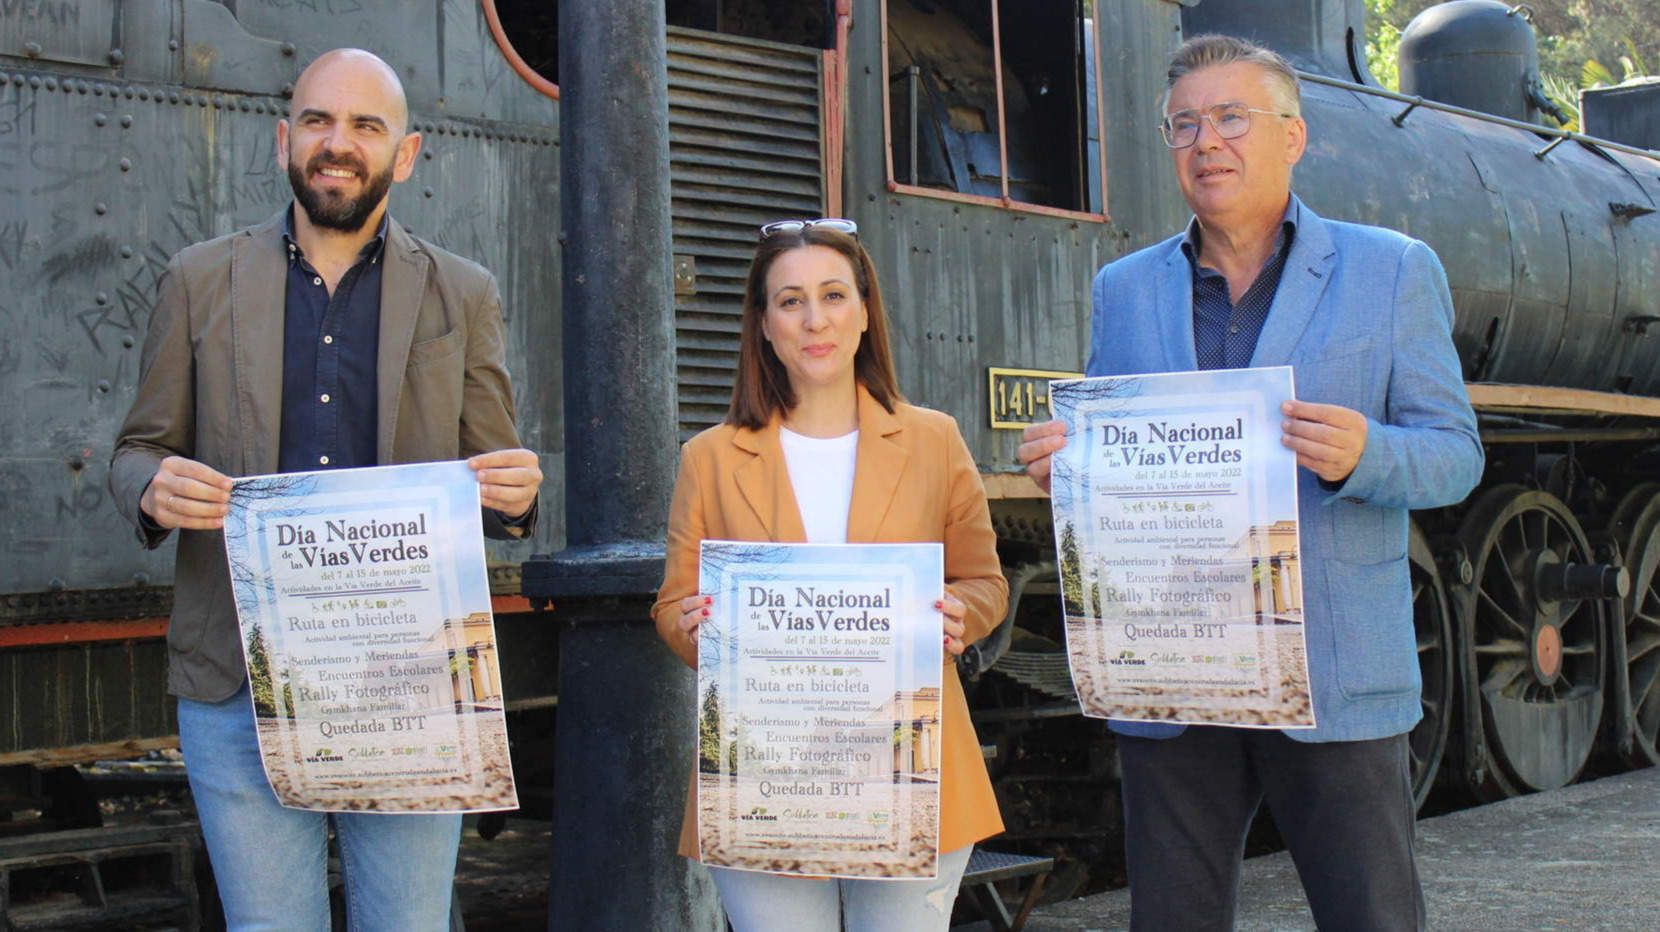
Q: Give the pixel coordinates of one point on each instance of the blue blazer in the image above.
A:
(1364, 317)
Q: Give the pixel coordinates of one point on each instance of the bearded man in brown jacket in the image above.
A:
(326, 337)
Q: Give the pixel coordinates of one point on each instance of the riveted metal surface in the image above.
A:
(743, 150)
(90, 693)
(68, 31)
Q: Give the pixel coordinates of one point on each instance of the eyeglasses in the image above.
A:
(1231, 121)
(836, 224)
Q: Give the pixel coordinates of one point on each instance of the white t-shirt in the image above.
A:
(821, 473)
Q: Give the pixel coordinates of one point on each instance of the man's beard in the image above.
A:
(333, 210)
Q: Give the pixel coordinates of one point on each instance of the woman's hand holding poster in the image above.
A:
(819, 708)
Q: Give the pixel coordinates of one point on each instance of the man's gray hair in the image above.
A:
(1210, 51)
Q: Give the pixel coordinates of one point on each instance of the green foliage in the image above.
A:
(1383, 43)
(1566, 96)
(1072, 575)
(260, 681)
(259, 674)
(1632, 65)
(1575, 38)
(1593, 74)
(1582, 31)
(740, 737)
(708, 733)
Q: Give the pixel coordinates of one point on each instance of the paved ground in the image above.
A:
(1583, 858)
(503, 882)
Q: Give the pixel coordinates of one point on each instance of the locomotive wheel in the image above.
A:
(1636, 526)
(1536, 663)
(1433, 622)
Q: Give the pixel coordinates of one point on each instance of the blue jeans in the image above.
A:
(271, 863)
(757, 901)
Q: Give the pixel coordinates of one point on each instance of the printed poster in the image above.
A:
(1175, 509)
(364, 605)
(819, 719)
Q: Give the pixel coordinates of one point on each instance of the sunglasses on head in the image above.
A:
(837, 224)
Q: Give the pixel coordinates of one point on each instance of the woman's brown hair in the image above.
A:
(762, 388)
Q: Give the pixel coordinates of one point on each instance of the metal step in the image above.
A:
(1046, 673)
(116, 877)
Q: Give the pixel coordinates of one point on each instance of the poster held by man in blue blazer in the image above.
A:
(1382, 425)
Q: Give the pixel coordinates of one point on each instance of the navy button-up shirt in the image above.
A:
(329, 352)
(1225, 334)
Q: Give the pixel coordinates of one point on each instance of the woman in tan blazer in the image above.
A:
(819, 446)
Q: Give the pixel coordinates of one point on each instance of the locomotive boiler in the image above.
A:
(995, 153)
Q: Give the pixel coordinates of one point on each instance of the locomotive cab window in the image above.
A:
(527, 32)
(995, 99)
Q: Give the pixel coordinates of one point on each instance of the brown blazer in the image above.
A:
(210, 388)
(913, 481)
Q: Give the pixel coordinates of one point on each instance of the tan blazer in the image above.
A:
(913, 481)
(210, 389)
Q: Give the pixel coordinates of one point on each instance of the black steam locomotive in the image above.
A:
(995, 153)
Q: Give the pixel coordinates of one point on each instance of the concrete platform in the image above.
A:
(1582, 858)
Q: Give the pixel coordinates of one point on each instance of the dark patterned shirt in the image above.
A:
(1225, 334)
(330, 348)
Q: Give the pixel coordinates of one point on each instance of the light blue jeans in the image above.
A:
(756, 901)
(271, 863)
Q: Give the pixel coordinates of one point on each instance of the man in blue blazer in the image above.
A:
(1382, 425)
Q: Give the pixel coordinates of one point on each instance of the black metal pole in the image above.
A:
(625, 720)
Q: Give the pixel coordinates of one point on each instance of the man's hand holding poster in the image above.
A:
(1175, 510)
(365, 612)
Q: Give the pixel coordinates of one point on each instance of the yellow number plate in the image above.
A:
(1018, 397)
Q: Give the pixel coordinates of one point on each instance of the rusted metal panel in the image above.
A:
(216, 52)
(1136, 42)
(69, 31)
(743, 150)
(87, 694)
